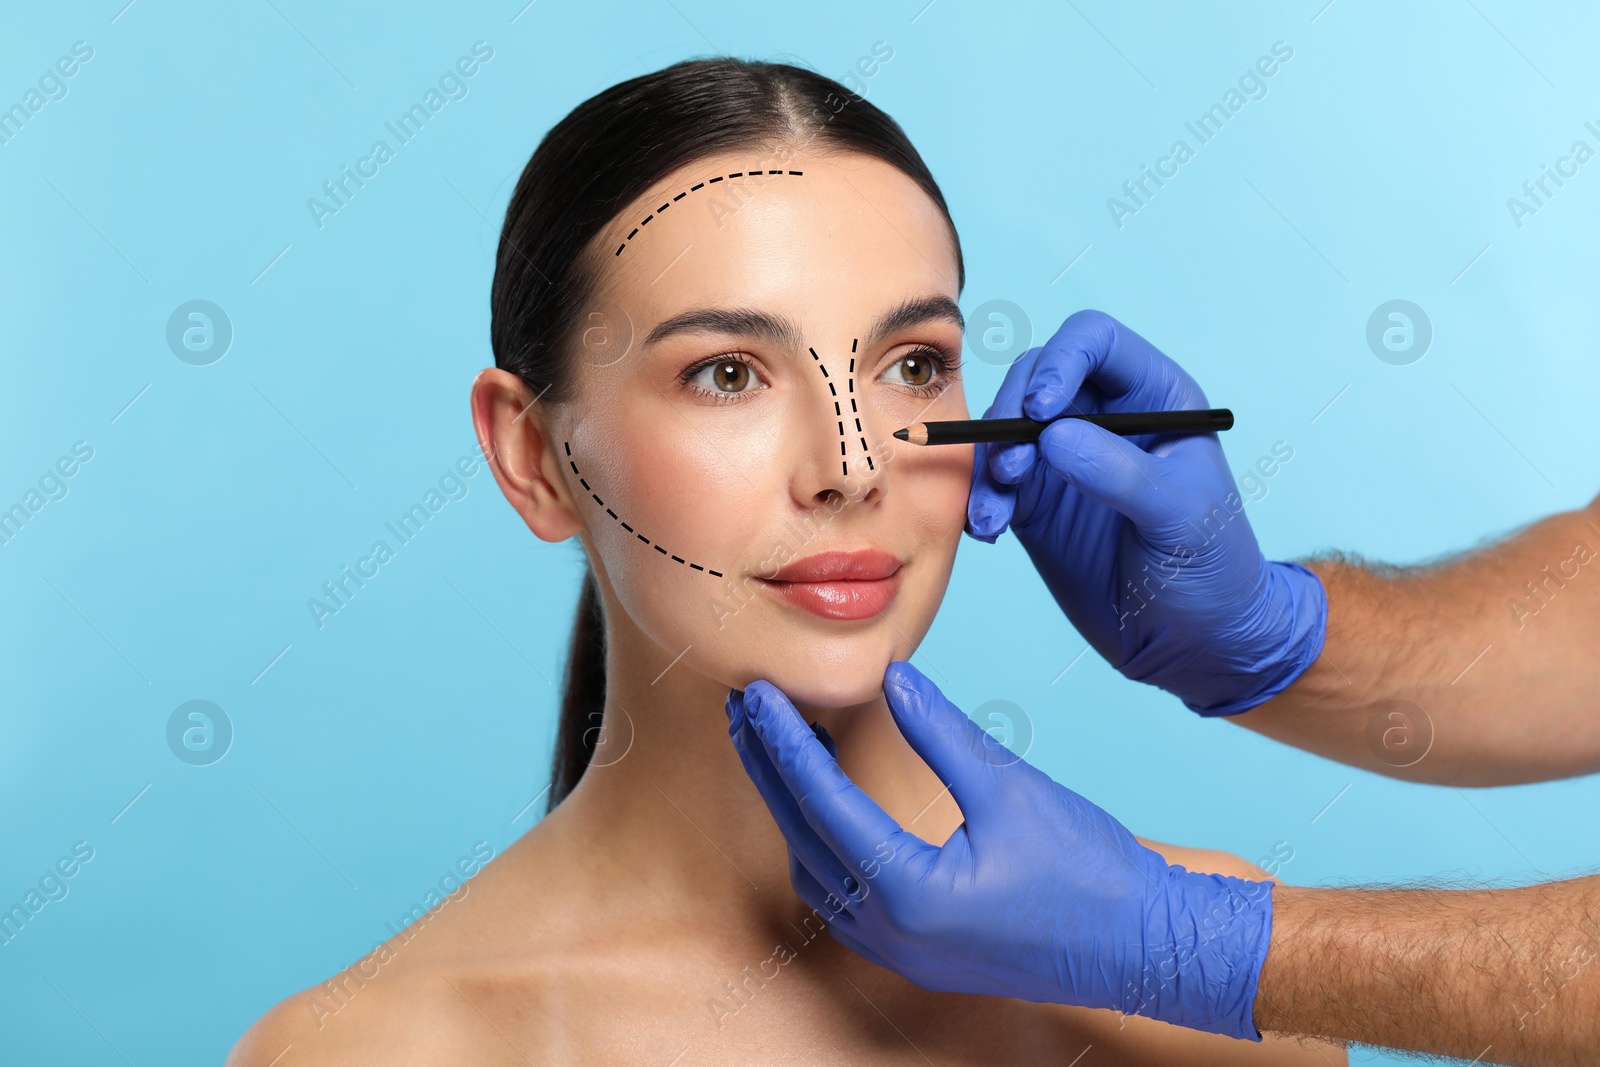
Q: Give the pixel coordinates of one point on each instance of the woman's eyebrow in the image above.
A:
(781, 331)
(913, 312)
(742, 322)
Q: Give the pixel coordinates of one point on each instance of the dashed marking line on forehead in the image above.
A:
(756, 173)
(637, 535)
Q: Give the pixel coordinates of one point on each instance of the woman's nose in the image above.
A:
(840, 428)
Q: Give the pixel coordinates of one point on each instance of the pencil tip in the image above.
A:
(904, 435)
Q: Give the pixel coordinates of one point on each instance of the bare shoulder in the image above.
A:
(405, 1020)
(421, 996)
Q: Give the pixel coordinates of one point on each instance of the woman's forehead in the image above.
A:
(824, 226)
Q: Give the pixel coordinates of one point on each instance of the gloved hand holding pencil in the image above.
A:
(1143, 540)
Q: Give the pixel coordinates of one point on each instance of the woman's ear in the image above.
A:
(515, 439)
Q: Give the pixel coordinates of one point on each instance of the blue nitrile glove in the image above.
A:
(1038, 894)
(1143, 540)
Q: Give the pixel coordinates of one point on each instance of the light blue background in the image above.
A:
(371, 754)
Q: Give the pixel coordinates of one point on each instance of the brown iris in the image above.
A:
(730, 377)
(918, 370)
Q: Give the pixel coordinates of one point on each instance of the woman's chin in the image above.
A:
(818, 688)
(831, 670)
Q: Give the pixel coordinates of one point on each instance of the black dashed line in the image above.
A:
(567, 445)
(850, 387)
(686, 192)
(844, 463)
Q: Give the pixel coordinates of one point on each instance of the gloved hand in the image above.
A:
(1143, 540)
(1038, 895)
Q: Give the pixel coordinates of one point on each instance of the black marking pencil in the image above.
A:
(1122, 423)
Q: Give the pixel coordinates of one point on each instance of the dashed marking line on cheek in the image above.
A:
(757, 173)
(641, 537)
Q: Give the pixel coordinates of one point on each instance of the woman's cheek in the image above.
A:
(688, 492)
(672, 524)
(667, 507)
(938, 482)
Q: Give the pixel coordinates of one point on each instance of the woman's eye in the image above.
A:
(726, 376)
(917, 370)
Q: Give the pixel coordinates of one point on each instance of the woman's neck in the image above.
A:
(669, 800)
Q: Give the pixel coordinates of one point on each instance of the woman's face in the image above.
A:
(748, 355)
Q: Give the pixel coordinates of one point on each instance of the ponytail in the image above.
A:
(583, 696)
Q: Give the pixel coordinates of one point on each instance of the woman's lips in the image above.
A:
(839, 585)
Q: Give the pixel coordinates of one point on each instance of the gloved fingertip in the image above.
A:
(826, 738)
(1061, 442)
(1046, 392)
(982, 520)
(1042, 405)
(734, 706)
(754, 696)
(1004, 465)
(987, 539)
(903, 675)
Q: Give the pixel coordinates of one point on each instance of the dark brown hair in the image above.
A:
(593, 163)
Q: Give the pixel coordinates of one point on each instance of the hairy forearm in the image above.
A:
(1493, 976)
(1481, 670)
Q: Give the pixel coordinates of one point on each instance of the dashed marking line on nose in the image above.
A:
(755, 173)
(833, 391)
(584, 482)
(854, 413)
